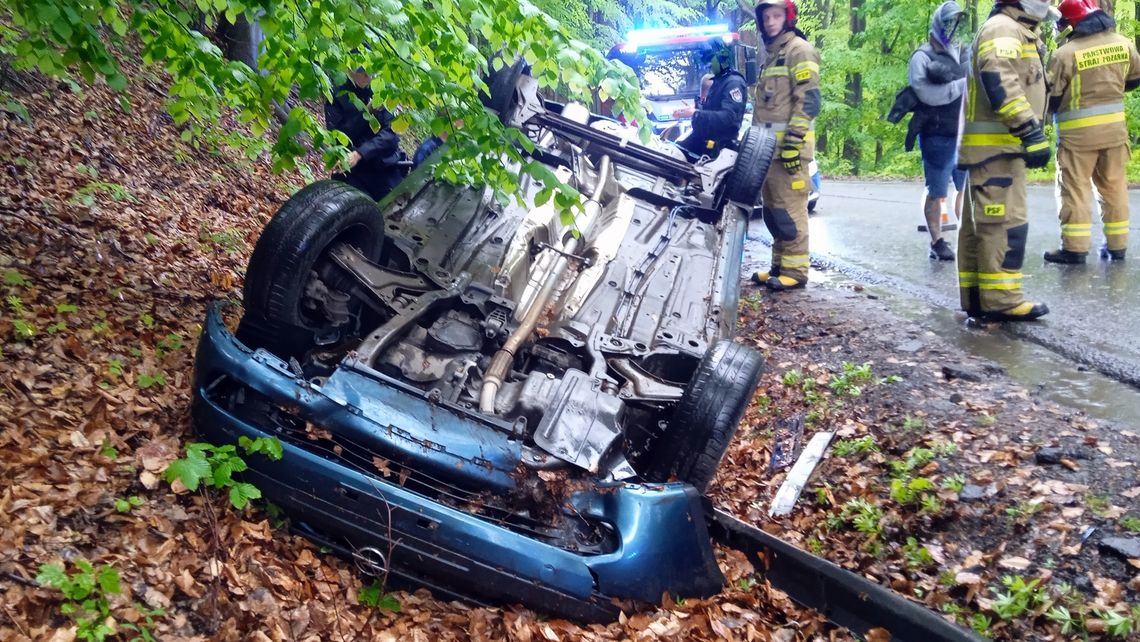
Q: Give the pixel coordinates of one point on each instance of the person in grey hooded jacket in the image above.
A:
(937, 75)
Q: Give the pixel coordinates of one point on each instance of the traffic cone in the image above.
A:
(947, 225)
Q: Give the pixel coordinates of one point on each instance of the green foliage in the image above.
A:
(916, 555)
(428, 59)
(955, 482)
(14, 278)
(85, 590)
(124, 505)
(375, 597)
(147, 380)
(846, 383)
(23, 330)
(793, 377)
(1130, 523)
(214, 466)
(1018, 598)
(862, 445)
(981, 624)
(1025, 510)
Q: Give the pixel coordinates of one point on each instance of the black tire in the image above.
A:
(753, 158)
(705, 419)
(289, 249)
(502, 85)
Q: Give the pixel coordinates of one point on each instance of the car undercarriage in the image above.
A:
(497, 401)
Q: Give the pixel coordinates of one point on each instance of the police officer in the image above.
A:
(1088, 75)
(717, 122)
(374, 163)
(1002, 136)
(787, 102)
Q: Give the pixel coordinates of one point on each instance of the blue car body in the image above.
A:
(433, 431)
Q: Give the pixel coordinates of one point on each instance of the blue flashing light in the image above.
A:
(643, 36)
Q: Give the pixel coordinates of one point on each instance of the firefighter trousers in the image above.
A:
(992, 236)
(1106, 168)
(785, 200)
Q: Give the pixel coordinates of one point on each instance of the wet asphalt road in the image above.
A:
(867, 232)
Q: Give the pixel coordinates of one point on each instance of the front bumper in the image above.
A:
(662, 543)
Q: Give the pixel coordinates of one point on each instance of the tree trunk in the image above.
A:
(854, 91)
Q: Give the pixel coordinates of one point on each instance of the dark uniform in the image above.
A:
(378, 170)
(717, 121)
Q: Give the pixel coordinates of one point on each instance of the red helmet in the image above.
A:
(789, 7)
(1073, 11)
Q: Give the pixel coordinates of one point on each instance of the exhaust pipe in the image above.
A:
(501, 363)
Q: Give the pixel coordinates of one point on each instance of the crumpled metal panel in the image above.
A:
(581, 424)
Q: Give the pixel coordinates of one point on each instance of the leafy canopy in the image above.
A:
(428, 60)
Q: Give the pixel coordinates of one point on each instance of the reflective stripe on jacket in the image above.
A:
(1005, 88)
(787, 95)
(1086, 85)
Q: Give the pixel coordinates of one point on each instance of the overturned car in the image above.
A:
(487, 401)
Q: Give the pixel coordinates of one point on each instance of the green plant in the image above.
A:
(1018, 598)
(981, 624)
(151, 380)
(822, 494)
(85, 590)
(862, 445)
(216, 465)
(376, 597)
(15, 303)
(913, 423)
(747, 583)
(751, 303)
(955, 482)
(889, 379)
(147, 320)
(916, 556)
(58, 326)
(115, 367)
(985, 421)
(908, 491)
(143, 631)
(107, 450)
(23, 330)
(15, 279)
(1098, 504)
(88, 194)
(1062, 616)
(815, 545)
(793, 377)
(1024, 510)
(170, 343)
(124, 505)
(230, 240)
(1130, 523)
(864, 516)
(845, 383)
(944, 449)
(1116, 624)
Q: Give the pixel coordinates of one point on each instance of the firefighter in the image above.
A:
(787, 102)
(1002, 136)
(1088, 76)
(716, 123)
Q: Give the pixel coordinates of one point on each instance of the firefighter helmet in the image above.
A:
(788, 5)
(1073, 11)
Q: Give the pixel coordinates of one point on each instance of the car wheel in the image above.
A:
(754, 156)
(502, 98)
(704, 420)
(291, 252)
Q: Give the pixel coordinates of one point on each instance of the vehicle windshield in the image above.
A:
(667, 73)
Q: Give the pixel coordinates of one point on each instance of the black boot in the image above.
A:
(761, 278)
(1066, 257)
(1023, 312)
(1114, 255)
(940, 250)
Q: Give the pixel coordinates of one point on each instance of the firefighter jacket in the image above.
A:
(1005, 88)
(787, 95)
(717, 122)
(1088, 76)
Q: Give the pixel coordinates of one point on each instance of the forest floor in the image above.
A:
(118, 234)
